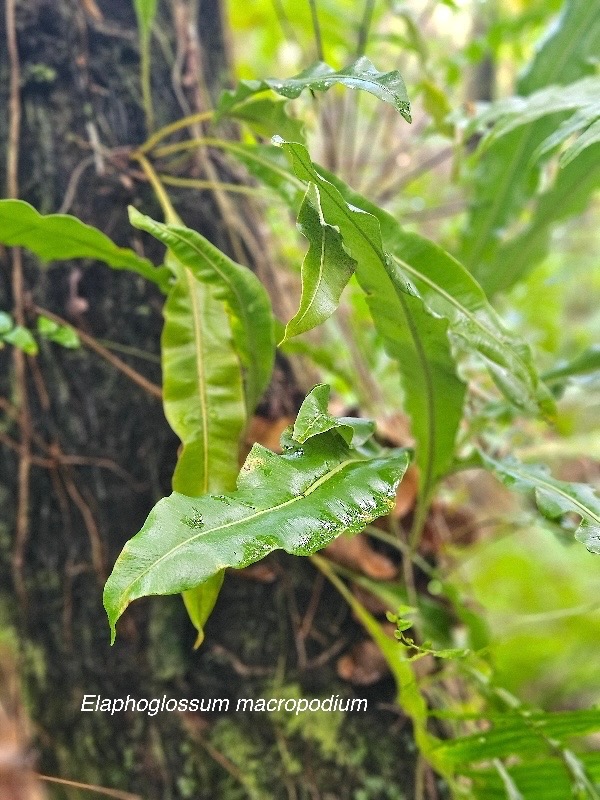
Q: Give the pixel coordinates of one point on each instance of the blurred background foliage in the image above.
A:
(538, 595)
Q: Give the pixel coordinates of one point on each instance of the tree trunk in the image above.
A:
(103, 453)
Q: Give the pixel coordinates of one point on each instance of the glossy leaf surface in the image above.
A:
(299, 502)
(200, 601)
(362, 74)
(443, 282)
(326, 268)
(197, 352)
(313, 419)
(202, 387)
(453, 292)
(56, 237)
(414, 336)
(250, 309)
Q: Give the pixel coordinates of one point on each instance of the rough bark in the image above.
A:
(105, 454)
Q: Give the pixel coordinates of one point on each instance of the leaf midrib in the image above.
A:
(428, 478)
(251, 517)
(586, 512)
(340, 77)
(312, 298)
(201, 375)
(345, 210)
(241, 306)
(460, 307)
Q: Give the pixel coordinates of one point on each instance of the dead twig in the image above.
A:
(94, 537)
(18, 289)
(313, 605)
(88, 787)
(51, 462)
(94, 345)
(241, 669)
(76, 176)
(326, 655)
(35, 460)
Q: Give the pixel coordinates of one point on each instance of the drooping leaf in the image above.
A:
(362, 74)
(505, 177)
(413, 335)
(203, 394)
(456, 294)
(57, 237)
(299, 502)
(326, 268)
(64, 335)
(553, 498)
(250, 309)
(203, 398)
(202, 387)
